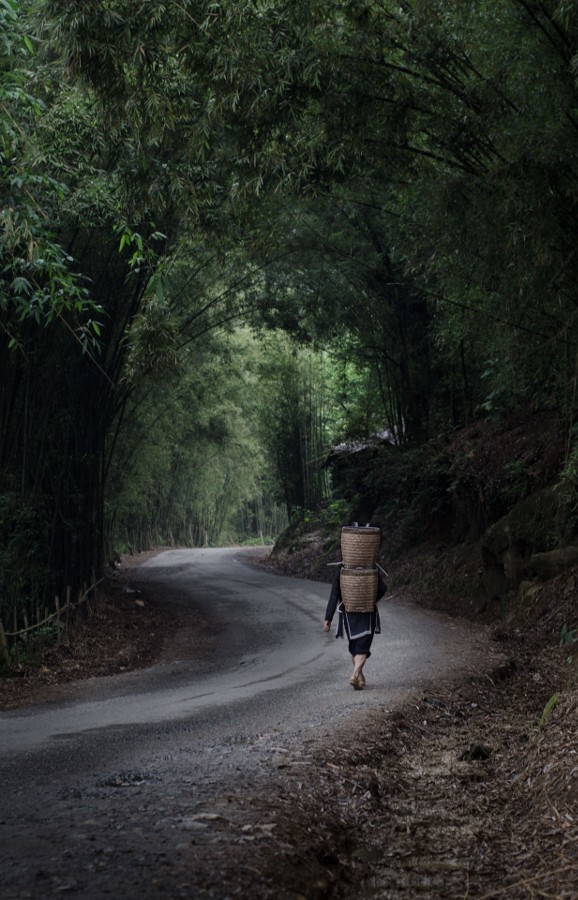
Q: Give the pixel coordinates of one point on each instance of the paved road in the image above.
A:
(251, 677)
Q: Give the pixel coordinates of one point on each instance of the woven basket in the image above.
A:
(358, 589)
(360, 546)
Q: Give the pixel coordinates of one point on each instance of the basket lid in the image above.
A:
(360, 529)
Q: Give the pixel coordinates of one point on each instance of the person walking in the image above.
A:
(358, 626)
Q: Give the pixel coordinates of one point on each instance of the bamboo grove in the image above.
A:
(237, 232)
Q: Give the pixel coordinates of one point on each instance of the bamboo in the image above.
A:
(25, 616)
(83, 598)
(58, 623)
(67, 607)
(95, 583)
(15, 649)
(4, 651)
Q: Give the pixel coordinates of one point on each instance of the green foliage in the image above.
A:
(38, 283)
(548, 710)
(568, 638)
(567, 488)
(189, 465)
(335, 513)
(292, 423)
(414, 491)
(466, 163)
(27, 650)
(258, 542)
(24, 557)
(567, 635)
(384, 182)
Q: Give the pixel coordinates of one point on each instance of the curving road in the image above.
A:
(252, 677)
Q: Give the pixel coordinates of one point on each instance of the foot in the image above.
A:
(357, 682)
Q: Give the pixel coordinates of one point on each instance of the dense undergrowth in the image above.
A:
(474, 521)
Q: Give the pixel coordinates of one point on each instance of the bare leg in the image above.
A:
(358, 664)
(357, 678)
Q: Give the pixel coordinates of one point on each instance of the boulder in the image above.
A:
(546, 565)
(519, 546)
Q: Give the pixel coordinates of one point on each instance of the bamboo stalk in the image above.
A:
(4, 651)
(94, 592)
(69, 623)
(83, 598)
(15, 651)
(58, 623)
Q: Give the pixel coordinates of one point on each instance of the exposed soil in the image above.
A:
(462, 793)
(470, 790)
(124, 631)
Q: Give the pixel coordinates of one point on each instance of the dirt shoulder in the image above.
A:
(467, 791)
(126, 630)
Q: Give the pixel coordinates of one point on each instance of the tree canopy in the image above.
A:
(235, 232)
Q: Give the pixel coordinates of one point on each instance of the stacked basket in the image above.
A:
(358, 579)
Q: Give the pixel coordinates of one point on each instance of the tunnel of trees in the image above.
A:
(238, 232)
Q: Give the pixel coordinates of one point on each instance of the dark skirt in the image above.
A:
(359, 628)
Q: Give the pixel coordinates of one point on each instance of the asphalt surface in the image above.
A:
(102, 787)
